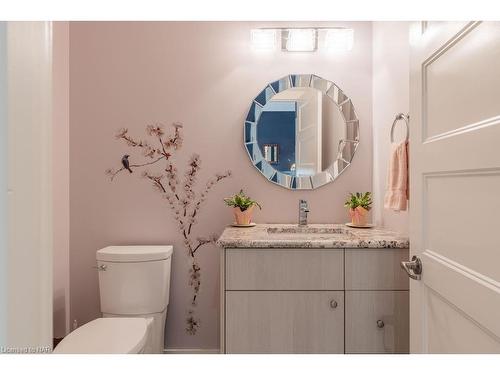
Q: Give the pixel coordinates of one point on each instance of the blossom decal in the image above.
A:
(179, 193)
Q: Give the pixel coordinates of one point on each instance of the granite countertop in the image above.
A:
(322, 236)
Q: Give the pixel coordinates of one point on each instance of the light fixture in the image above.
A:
(335, 39)
(299, 40)
(263, 39)
(339, 40)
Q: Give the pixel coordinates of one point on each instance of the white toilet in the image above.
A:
(134, 284)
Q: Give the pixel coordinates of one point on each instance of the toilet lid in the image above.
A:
(106, 336)
(134, 253)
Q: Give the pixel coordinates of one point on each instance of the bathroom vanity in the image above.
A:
(313, 289)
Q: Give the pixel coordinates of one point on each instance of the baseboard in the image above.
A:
(190, 351)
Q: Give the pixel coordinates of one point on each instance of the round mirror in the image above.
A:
(301, 131)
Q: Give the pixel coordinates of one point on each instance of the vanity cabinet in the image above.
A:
(309, 300)
(284, 301)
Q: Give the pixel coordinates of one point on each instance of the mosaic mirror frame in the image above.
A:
(346, 148)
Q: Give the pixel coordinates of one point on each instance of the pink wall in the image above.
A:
(126, 74)
(391, 95)
(60, 175)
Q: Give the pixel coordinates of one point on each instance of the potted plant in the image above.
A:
(359, 204)
(243, 207)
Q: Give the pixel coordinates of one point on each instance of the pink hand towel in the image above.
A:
(397, 193)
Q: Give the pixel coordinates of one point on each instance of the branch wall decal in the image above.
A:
(180, 196)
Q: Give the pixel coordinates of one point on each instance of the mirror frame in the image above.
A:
(349, 143)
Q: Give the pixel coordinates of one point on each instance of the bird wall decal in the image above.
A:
(126, 163)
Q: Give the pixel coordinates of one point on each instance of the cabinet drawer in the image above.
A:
(284, 269)
(375, 269)
(366, 311)
(284, 322)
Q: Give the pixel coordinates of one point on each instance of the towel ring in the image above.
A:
(406, 118)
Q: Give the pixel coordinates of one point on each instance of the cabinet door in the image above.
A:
(377, 322)
(284, 322)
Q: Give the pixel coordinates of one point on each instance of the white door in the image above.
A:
(455, 187)
(308, 133)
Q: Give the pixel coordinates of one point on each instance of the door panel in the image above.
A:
(470, 291)
(462, 212)
(284, 322)
(454, 77)
(454, 179)
(441, 313)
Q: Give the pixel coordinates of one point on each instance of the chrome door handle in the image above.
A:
(413, 268)
(101, 267)
(333, 304)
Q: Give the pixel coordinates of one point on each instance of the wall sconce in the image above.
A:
(339, 40)
(263, 39)
(303, 39)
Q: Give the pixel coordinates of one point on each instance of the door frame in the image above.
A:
(28, 318)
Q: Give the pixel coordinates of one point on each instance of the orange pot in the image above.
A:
(243, 217)
(359, 216)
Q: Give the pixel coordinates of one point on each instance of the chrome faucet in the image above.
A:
(303, 210)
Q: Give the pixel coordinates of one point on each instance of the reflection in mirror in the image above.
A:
(271, 153)
(301, 131)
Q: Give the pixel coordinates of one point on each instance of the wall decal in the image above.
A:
(180, 195)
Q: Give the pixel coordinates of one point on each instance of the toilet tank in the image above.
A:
(134, 279)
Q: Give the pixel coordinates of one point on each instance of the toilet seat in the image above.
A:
(107, 336)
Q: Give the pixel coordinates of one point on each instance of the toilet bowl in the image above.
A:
(109, 336)
(134, 285)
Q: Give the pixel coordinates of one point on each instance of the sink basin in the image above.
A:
(309, 230)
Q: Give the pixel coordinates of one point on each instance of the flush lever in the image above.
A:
(101, 267)
(413, 268)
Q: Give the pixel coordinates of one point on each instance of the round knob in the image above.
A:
(380, 323)
(333, 304)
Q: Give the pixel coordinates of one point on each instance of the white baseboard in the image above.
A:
(190, 351)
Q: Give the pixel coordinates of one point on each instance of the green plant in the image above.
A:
(359, 199)
(242, 201)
